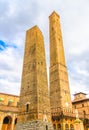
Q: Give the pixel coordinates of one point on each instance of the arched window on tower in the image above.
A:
(59, 126)
(54, 126)
(27, 107)
(66, 127)
(71, 127)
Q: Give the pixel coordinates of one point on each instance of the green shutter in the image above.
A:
(1, 99)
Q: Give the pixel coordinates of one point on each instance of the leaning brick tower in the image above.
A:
(34, 104)
(59, 83)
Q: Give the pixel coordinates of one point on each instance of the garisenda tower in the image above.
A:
(34, 108)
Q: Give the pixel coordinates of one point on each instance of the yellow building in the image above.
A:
(81, 103)
(8, 111)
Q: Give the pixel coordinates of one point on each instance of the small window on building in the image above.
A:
(71, 127)
(66, 127)
(27, 107)
(54, 126)
(17, 104)
(10, 102)
(84, 112)
(59, 126)
(82, 105)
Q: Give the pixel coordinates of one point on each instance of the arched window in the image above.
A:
(27, 107)
(66, 127)
(54, 126)
(59, 126)
(7, 123)
(7, 120)
(71, 127)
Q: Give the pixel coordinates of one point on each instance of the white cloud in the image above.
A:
(10, 70)
(7, 86)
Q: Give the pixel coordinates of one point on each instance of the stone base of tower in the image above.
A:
(35, 125)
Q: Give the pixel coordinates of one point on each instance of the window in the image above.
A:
(7, 120)
(84, 112)
(54, 126)
(17, 104)
(59, 126)
(27, 107)
(82, 105)
(10, 102)
(71, 127)
(66, 127)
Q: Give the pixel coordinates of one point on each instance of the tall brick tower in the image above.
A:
(34, 98)
(59, 84)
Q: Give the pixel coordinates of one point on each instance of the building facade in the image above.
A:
(8, 111)
(81, 103)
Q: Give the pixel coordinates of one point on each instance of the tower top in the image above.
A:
(35, 28)
(54, 14)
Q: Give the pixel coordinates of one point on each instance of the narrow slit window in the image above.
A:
(27, 107)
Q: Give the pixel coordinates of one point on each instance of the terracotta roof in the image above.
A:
(80, 93)
(76, 101)
(10, 94)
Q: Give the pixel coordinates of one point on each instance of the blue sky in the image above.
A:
(18, 16)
